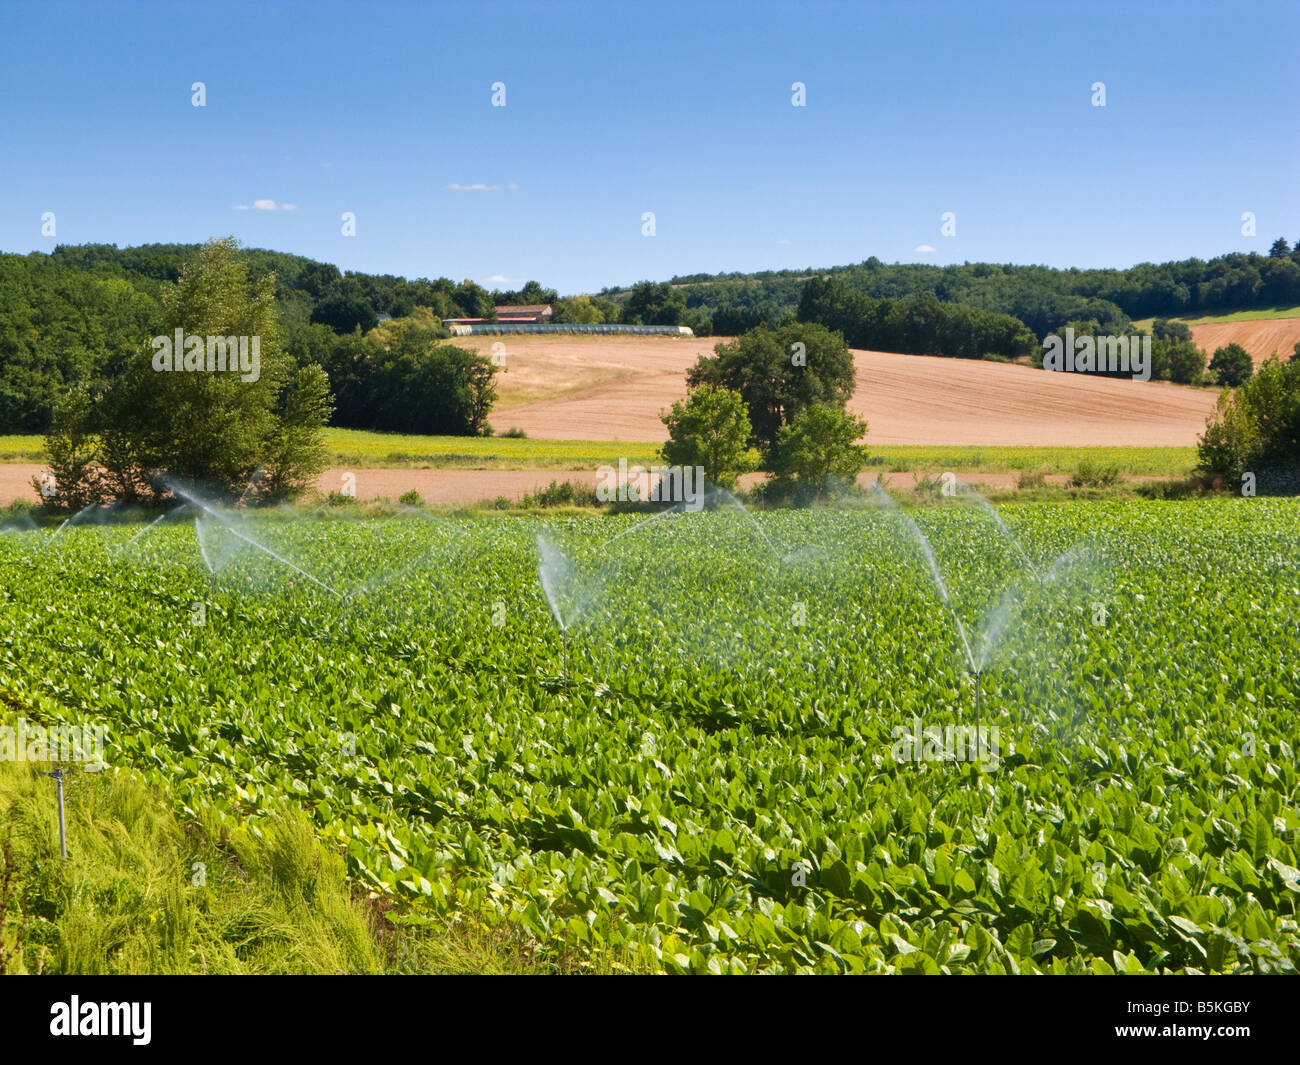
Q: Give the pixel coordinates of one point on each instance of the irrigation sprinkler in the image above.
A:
(58, 776)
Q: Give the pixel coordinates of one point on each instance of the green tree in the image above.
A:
(533, 292)
(474, 301)
(1180, 361)
(73, 453)
(1255, 428)
(60, 328)
(819, 451)
(1167, 329)
(1232, 364)
(577, 310)
(206, 426)
(709, 428)
(320, 280)
(698, 321)
(421, 386)
(295, 451)
(609, 310)
(345, 315)
(779, 372)
(654, 304)
(1280, 249)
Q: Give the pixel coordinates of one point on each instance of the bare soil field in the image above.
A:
(1260, 338)
(915, 399)
(613, 388)
(588, 383)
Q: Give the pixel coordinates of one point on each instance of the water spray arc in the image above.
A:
(571, 594)
(69, 522)
(927, 553)
(553, 570)
(556, 573)
(711, 494)
(195, 501)
(969, 493)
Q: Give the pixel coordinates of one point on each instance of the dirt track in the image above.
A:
(441, 487)
(603, 388)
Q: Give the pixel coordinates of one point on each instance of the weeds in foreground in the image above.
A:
(143, 892)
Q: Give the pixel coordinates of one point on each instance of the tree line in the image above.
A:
(80, 315)
(1044, 298)
(915, 325)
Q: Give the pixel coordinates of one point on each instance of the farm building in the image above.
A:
(513, 313)
(525, 312)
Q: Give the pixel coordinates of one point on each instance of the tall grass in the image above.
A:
(143, 892)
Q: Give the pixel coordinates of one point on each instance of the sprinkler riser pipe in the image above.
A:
(63, 835)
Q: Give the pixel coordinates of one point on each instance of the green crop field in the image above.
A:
(356, 447)
(363, 449)
(367, 450)
(1258, 315)
(1263, 314)
(713, 742)
(22, 448)
(974, 458)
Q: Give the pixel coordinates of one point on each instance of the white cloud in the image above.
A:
(924, 249)
(327, 165)
(501, 279)
(478, 186)
(783, 241)
(267, 205)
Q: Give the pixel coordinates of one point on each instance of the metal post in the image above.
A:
(979, 702)
(63, 832)
(58, 776)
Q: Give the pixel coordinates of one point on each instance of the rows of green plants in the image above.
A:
(701, 770)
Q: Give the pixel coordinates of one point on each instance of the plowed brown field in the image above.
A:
(1260, 338)
(613, 388)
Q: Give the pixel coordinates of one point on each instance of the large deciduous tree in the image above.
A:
(420, 386)
(1256, 429)
(819, 452)
(710, 428)
(1233, 365)
(185, 419)
(779, 372)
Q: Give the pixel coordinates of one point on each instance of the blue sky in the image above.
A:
(615, 109)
